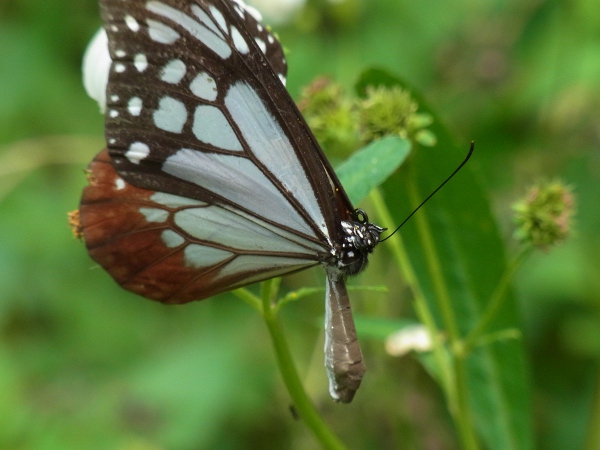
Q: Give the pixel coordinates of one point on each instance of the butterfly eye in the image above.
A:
(361, 216)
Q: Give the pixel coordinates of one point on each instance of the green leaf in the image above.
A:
(380, 328)
(371, 166)
(470, 253)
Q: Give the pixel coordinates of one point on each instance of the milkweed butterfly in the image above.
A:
(211, 178)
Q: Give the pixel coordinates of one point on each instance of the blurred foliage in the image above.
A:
(84, 364)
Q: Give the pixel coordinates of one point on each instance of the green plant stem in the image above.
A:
(400, 256)
(302, 402)
(453, 375)
(462, 414)
(496, 301)
(592, 441)
(433, 263)
(249, 298)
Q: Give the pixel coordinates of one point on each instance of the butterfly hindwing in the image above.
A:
(173, 249)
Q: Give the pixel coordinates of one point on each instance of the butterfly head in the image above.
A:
(360, 239)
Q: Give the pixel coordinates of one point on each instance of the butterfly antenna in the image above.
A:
(436, 189)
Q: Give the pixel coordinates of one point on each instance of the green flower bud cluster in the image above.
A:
(331, 116)
(544, 216)
(341, 124)
(391, 111)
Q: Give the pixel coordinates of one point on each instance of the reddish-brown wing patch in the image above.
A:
(131, 249)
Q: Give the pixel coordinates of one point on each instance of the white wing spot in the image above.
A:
(270, 38)
(253, 263)
(238, 40)
(135, 106)
(206, 20)
(204, 86)
(173, 71)
(119, 184)
(243, 233)
(253, 12)
(203, 34)
(261, 44)
(111, 141)
(113, 113)
(211, 126)
(119, 68)
(171, 115)
(114, 98)
(240, 12)
(198, 256)
(120, 53)
(271, 146)
(259, 27)
(171, 239)
(114, 28)
(282, 78)
(240, 181)
(174, 201)
(140, 62)
(219, 18)
(132, 23)
(161, 33)
(155, 214)
(137, 151)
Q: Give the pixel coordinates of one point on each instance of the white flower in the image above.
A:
(278, 12)
(414, 337)
(96, 67)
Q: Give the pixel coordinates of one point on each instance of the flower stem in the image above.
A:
(496, 301)
(463, 417)
(302, 403)
(592, 441)
(402, 260)
(460, 410)
(433, 264)
(249, 298)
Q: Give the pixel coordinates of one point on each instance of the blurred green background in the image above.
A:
(84, 364)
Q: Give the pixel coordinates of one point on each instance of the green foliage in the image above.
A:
(84, 364)
(371, 166)
(458, 280)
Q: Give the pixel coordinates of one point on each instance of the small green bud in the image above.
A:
(544, 216)
(426, 138)
(420, 120)
(330, 115)
(391, 111)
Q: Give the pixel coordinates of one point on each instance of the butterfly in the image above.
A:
(211, 179)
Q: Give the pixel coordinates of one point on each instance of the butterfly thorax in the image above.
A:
(360, 239)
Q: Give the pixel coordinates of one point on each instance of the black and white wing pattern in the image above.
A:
(212, 180)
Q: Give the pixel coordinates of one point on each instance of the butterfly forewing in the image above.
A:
(205, 108)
